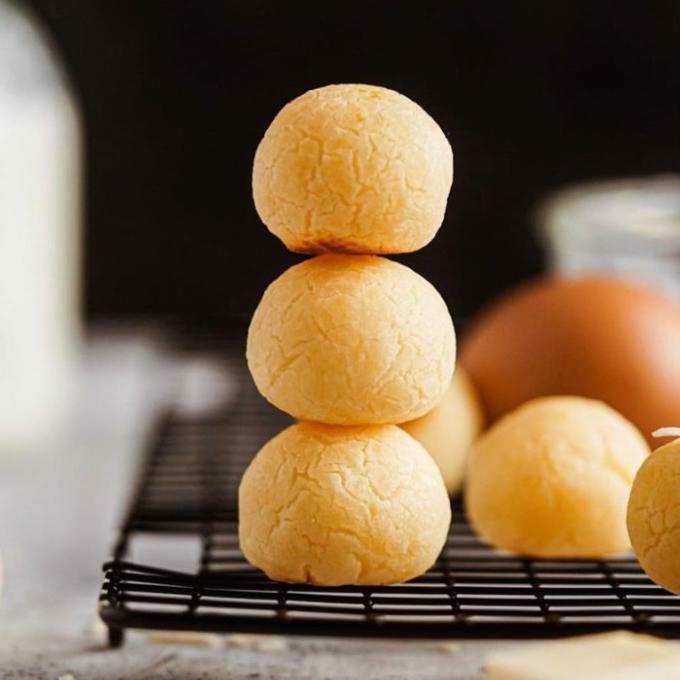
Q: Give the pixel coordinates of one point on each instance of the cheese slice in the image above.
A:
(608, 656)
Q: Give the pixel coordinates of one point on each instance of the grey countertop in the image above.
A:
(58, 513)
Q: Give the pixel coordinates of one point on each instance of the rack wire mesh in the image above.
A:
(188, 487)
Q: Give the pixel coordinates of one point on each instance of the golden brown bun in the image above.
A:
(336, 505)
(654, 516)
(354, 169)
(552, 479)
(352, 340)
(450, 428)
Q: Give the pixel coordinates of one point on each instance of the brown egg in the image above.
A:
(598, 337)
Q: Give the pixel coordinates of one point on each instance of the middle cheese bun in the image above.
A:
(352, 340)
(343, 505)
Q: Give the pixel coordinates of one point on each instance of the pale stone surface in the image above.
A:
(58, 513)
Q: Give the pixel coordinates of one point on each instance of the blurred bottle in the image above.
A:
(40, 212)
(627, 227)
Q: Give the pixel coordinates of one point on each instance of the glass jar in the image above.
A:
(628, 227)
(40, 212)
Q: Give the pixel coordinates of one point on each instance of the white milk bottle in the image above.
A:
(40, 211)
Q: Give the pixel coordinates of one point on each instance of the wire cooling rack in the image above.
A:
(188, 487)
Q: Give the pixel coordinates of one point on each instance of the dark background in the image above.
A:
(176, 95)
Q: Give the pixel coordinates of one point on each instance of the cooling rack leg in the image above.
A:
(116, 637)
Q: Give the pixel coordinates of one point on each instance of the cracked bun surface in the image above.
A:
(654, 516)
(448, 430)
(552, 479)
(352, 340)
(343, 505)
(353, 169)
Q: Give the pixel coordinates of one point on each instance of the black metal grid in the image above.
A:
(189, 486)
